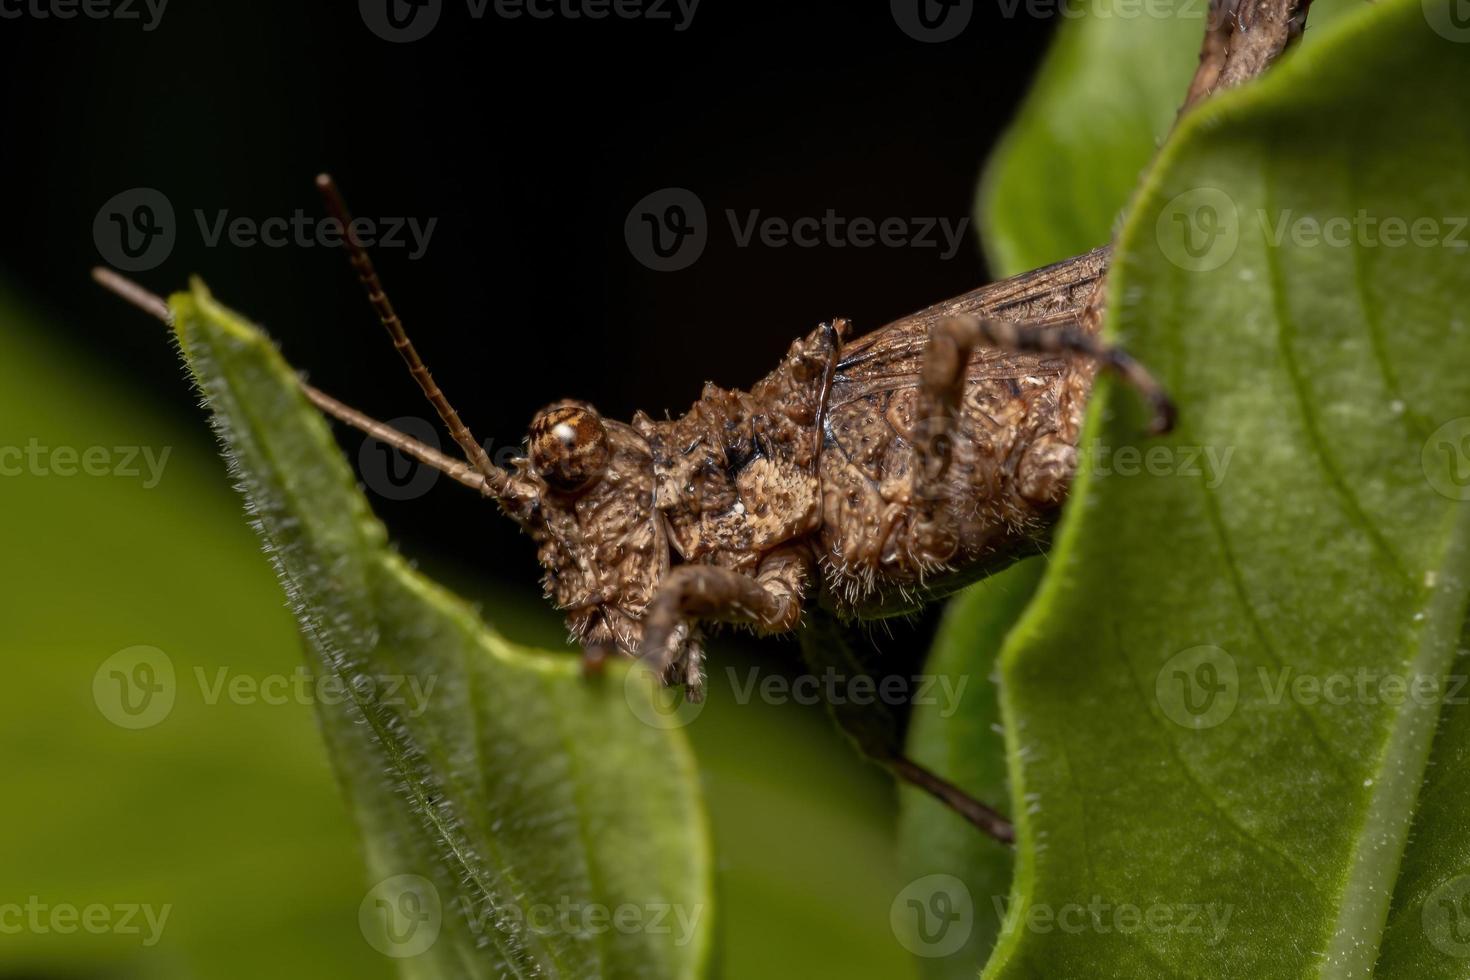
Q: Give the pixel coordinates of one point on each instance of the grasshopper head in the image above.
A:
(602, 541)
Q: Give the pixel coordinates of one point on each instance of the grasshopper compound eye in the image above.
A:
(569, 446)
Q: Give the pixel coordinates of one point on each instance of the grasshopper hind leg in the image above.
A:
(1045, 470)
(962, 334)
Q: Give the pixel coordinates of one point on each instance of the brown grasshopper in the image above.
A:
(869, 475)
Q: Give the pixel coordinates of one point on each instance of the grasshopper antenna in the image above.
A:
(495, 480)
(133, 293)
(409, 446)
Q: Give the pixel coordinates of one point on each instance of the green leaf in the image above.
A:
(518, 820)
(1221, 706)
(957, 734)
(1105, 96)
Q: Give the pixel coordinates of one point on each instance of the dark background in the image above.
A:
(530, 141)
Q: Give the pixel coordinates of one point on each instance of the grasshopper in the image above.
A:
(869, 475)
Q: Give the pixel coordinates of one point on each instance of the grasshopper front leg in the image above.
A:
(770, 601)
